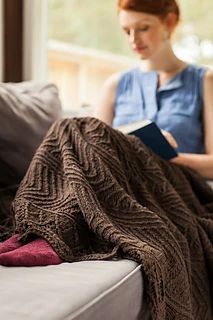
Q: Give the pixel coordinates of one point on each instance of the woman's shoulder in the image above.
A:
(204, 71)
(198, 76)
(206, 75)
(193, 68)
(208, 81)
(112, 81)
(118, 79)
(110, 85)
(209, 75)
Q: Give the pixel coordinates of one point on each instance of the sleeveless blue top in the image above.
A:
(175, 107)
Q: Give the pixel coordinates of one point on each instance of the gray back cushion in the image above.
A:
(27, 110)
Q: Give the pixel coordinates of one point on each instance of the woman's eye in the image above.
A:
(146, 28)
(143, 29)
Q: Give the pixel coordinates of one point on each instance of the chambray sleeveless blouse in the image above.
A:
(175, 107)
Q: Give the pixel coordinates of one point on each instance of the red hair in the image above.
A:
(157, 7)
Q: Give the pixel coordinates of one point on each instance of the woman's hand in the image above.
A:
(169, 137)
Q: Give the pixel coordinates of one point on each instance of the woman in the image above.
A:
(176, 95)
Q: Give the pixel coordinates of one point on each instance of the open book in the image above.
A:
(151, 136)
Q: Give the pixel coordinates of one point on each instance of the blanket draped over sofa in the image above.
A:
(94, 193)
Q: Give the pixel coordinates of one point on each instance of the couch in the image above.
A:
(111, 289)
(98, 290)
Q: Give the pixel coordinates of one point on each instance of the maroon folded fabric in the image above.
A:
(35, 253)
(11, 244)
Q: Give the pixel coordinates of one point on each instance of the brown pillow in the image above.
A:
(27, 110)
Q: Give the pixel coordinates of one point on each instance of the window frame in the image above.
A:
(12, 31)
(35, 37)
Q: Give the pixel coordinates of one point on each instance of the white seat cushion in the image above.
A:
(106, 290)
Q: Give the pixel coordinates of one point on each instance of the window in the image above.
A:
(86, 45)
(195, 35)
(82, 52)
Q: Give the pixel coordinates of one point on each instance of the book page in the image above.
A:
(127, 128)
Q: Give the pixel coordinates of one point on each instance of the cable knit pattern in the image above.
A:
(94, 193)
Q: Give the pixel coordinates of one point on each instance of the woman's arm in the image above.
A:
(203, 163)
(104, 108)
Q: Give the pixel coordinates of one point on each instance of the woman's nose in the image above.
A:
(133, 36)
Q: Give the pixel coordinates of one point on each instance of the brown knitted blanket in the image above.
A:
(94, 193)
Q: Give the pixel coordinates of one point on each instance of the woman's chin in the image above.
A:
(143, 56)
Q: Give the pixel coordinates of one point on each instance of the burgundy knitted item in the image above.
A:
(35, 253)
(11, 244)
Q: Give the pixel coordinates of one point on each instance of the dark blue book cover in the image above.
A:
(152, 137)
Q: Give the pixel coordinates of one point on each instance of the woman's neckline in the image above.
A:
(175, 76)
(170, 80)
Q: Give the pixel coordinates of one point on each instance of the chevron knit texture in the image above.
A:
(94, 193)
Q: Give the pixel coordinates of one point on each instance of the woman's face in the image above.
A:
(146, 33)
